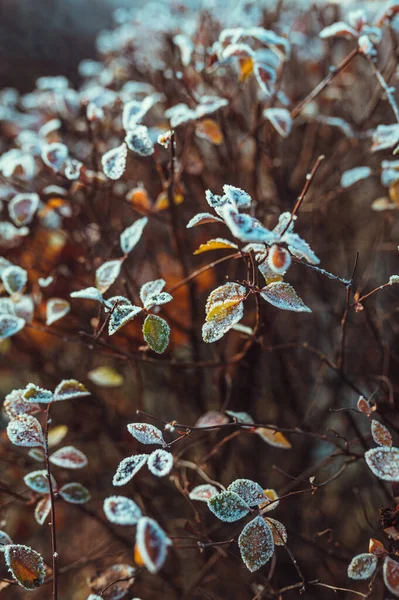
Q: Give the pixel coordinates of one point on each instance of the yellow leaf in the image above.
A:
(138, 559)
(215, 244)
(139, 197)
(209, 130)
(246, 68)
(219, 312)
(274, 438)
(162, 202)
(105, 377)
(56, 435)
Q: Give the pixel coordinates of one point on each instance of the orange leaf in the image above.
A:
(209, 130)
(274, 438)
(162, 202)
(246, 68)
(26, 566)
(216, 244)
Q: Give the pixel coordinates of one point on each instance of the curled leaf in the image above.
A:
(281, 120)
(202, 218)
(36, 394)
(43, 509)
(216, 244)
(70, 389)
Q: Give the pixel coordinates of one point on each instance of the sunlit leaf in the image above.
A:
(228, 506)
(22, 208)
(131, 236)
(278, 530)
(43, 509)
(56, 435)
(90, 293)
(281, 120)
(152, 543)
(56, 308)
(55, 155)
(391, 575)
(278, 260)
(114, 162)
(224, 308)
(10, 325)
(15, 405)
(121, 510)
(203, 492)
(105, 377)
(139, 141)
(384, 463)
(74, 493)
(25, 565)
(250, 491)
(107, 274)
(156, 333)
(160, 462)
(209, 130)
(202, 218)
(362, 566)
(70, 389)
(36, 394)
(380, 434)
(128, 467)
(69, 457)
(25, 430)
(14, 279)
(38, 481)
(216, 244)
(274, 438)
(283, 296)
(256, 544)
(146, 433)
(113, 583)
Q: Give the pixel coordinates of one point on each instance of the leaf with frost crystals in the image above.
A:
(10, 235)
(25, 565)
(121, 315)
(250, 491)
(179, 114)
(45, 281)
(73, 168)
(228, 506)
(90, 293)
(107, 274)
(25, 430)
(281, 120)
(5, 540)
(70, 389)
(256, 544)
(10, 325)
(22, 208)
(43, 509)
(160, 462)
(132, 114)
(394, 279)
(38, 481)
(121, 510)
(384, 463)
(105, 377)
(24, 308)
(146, 433)
(280, 536)
(237, 196)
(391, 575)
(150, 289)
(158, 299)
(224, 308)
(202, 218)
(265, 76)
(240, 417)
(282, 295)
(244, 227)
(156, 333)
(14, 279)
(271, 503)
(139, 141)
(352, 176)
(75, 493)
(115, 580)
(7, 306)
(362, 566)
(56, 308)
(216, 244)
(128, 467)
(15, 405)
(385, 136)
(338, 29)
(55, 155)
(152, 544)
(114, 162)
(186, 47)
(131, 236)
(69, 457)
(380, 434)
(203, 492)
(209, 105)
(299, 248)
(36, 394)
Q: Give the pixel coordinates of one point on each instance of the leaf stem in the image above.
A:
(52, 502)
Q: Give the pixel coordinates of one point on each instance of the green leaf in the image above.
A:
(156, 333)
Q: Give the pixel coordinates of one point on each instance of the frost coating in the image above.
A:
(121, 315)
(391, 575)
(237, 196)
(107, 274)
(146, 433)
(10, 325)
(362, 566)
(43, 509)
(138, 141)
(202, 218)
(160, 462)
(121, 510)
(283, 296)
(69, 389)
(281, 120)
(151, 288)
(156, 333)
(224, 308)
(25, 430)
(278, 530)
(15, 405)
(128, 467)
(250, 491)
(131, 236)
(384, 463)
(75, 493)
(69, 457)
(55, 155)
(34, 393)
(152, 543)
(203, 492)
(56, 309)
(380, 434)
(90, 293)
(22, 208)
(14, 279)
(256, 544)
(352, 176)
(228, 506)
(114, 162)
(38, 482)
(25, 565)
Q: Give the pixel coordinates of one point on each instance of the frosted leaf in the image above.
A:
(278, 530)
(384, 463)
(43, 509)
(74, 493)
(271, 503)
(69, 457)
(228, 506)
(5, 540)
(237, 196)
(394, 279)
(139, 141)
(160, 462)
(120, 300)
(391, 575)
(10, 235)
(56, 435)
(90, 293)
(45, 281)
(250, 491)
(37, 454)
(121, 315)
(114, 162)
(70, 389)
(128, 467)
(36, 394)
(152, 544)
(146, 433)
(15, 405)
(362, 566)
(281, 120)
(186, 47)
(25, 430)
(157, 299)
(352, 176)
(179, 114)
(38, 481)
(165, 137)
(24, 307)
(211, 418)
(132, 114)
(340, 29)
(256, 544)
(209, 105)
(382, 204)
(363, 406)
(55, 155)
(7, 306)
(283, 296)
(105, 377)
(265, 76)
(73, 169)
(202, 218)
(56, 308)
(22, 208)
(121, 510)
(25, 565)
(248, 331)
(203, 492)
(278, 259)
(244, 227)
(94, 597)
(380, 434)
(224, 308)
(10, 325)
(214, 200)
(156, 333)
(4, 263)
(150, 289)
(107, 274)
(216, 244)
(240, 416)
(131, 236)
(115, 580)
(273, 437)
(14, 279)
(299, 248)
(384, 137)
(285, 223)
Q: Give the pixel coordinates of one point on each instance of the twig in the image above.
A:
(52, 502)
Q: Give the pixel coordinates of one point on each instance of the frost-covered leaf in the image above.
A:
(265, 76)
(14, 279)
(10, 235)
(128, 467)
(131, 236)
(384, 463)
(271, 503)
(45, 281)
(385, 136)
(224, 308)
(278, 259)
(362, 566)
(22, 208)
(121, 510)
(151, 288)
(69, 457)
(156, 333)
(208, 129)
(55, 155)
(122, 314)
(216, 244)
(299, 248)
(25, 430)
(10, 325)
(146, 433)
(157, 299)
(114, 162)
(186, 47)
(139, 141)
(105, 377)
(352, 176)
(38, 481)
(237, 196)
(256, 544)
(36, 394)
(25, 565)
(394, 279)
(152, 544)
(282, 295)
(281, 120)
(160, 462)
(115, 580)
(56, 308)
(75, 493)
(179, 114)
(132, 114)
(24, 308)
(363, 406)
(5, 540)
(244, 227)
(203, 492)
(202, 218)
(380, 434)
(273, 438)
(56, 435)
(391, 575)
(15, 405)
(70, 389)
(250, 491)
(43, 509)
(338, 29)
(240, 416)
(73, 169)
(107, 274)
(90, 293)
(278, 530)
(228, 506)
